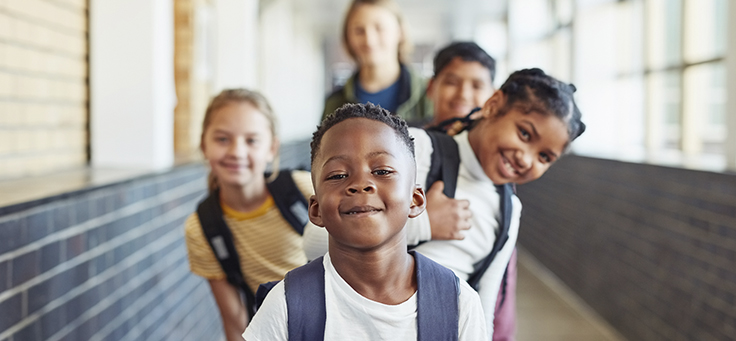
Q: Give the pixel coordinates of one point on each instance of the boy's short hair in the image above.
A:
(369, 111)
(467, 51)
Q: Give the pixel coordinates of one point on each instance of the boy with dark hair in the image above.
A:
(367, 286)
(462, 81)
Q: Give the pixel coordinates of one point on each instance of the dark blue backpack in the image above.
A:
(290, 202)
(437, 301)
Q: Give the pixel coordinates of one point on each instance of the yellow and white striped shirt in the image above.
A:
(267, 245)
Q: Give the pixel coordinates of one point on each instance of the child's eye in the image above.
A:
(337, 176)
(382, 172)
(251, 141)
(524, 134)
(221, 139)
(545, 157)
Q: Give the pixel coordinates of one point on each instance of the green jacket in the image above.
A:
(415, 108)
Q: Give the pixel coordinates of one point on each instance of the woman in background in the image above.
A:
(374, 35)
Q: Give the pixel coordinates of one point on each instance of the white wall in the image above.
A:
(132, 94)
(291, 69)
(236, 41)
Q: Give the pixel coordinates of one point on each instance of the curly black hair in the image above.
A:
(369, 111)
(534, 90)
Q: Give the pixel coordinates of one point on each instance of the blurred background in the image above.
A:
(101, 104)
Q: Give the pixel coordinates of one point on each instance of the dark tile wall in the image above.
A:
(105, 263)
(651, 249)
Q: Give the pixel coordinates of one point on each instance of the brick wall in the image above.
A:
(652, 249)
(105, 264)
(191, 73)
(43, 86)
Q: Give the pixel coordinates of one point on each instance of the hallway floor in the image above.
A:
(548, 311)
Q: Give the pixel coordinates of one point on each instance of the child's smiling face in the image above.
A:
(364, 180)
(238, 144)
(517, 147)
(459, 88)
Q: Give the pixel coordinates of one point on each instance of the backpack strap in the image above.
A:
(465, 122)
(289, 200)
(505, 192)
(305, 301)
(220, 238)
(437, 300)
(445, 162)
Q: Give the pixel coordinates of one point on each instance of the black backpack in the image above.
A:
(444, 165)
(290, 202)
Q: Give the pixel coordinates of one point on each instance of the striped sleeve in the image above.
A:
(202, 261)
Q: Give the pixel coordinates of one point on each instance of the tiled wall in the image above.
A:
(43, 86)
(651, 249)
(105, 264)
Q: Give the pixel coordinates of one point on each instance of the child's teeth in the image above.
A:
(508, 166)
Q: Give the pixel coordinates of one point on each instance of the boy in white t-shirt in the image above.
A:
(364, 176)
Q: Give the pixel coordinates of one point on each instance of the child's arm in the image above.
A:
(444, 219)
(203, 262)
(447, 217)
(232, 311)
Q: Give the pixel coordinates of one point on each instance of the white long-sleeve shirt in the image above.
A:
(460, 255)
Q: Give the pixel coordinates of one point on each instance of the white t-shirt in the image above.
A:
(350, 316)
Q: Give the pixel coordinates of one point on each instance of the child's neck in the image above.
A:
(385, 275)
(245, 198)
(374, 78)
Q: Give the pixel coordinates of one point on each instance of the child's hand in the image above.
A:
(447, 217)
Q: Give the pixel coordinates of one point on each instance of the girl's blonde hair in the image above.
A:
(230, 96)
(405, 45)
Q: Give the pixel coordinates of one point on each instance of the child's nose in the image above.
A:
(524, 160)
(466, 91)
(238, 148)
(361, 184)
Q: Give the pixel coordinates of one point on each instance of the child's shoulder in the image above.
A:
(192, 226)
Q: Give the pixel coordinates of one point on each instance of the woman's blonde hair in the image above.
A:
(230, 96)
(405, 45)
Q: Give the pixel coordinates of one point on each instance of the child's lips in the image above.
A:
(360, 211)
(234, 166)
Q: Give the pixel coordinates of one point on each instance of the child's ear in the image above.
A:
(430, 87)
(275, 145)
(418, 202)
(314, 215)
(493, 104)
